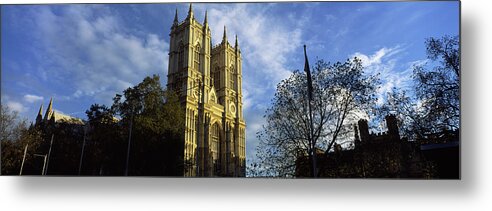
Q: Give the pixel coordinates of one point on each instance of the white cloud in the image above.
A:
(375, 59)
(32, 98)
(384, 62)
(265, 43)
(16, 106)
(93, 54)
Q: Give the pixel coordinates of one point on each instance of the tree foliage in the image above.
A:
(340, 92)
(15, 136)
(158, 127)
(435, 105)
(438, 89)
(156, 141)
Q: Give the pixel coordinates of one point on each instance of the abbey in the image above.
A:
(208, 80)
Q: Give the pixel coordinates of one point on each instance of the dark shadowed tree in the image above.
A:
(104, 151)
(65, 151)
(435, 105)
(340, 92)
(438, 88)
(15, 135)
(157, 128)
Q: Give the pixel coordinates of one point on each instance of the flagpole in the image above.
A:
(310, 96)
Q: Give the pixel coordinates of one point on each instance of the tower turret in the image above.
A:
(392, 125)
(363, 130)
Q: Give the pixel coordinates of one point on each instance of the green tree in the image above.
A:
(340, 92)
(157, 121)
(15, 136)
(104, 150)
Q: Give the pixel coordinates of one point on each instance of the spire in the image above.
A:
(49, 110)
(176, 18)
(237, 45)
(190, 12)
(205, 21)
(40, 112)
(39, 118)
(224, 38)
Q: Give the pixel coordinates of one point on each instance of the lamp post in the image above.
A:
(23, 159)
(43, 172)
(129, 142)
(83, 147)
(49, 155)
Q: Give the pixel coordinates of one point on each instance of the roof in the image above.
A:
(60, 117)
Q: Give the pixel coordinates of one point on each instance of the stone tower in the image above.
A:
(208, 80)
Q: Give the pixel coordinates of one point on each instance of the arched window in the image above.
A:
(215, 141)
(217, 78)
(232, 78)
(180, 57)
(197, 58)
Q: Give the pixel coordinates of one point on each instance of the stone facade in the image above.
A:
(208, 80)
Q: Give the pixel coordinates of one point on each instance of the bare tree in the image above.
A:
(438, 89)
(340, 92)
(435, 105)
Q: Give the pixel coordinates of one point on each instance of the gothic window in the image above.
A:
(197, 58)
(180, 57)
(232, 78)
(217, 78)
(215, 141)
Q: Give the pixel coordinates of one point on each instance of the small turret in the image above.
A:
(392, 125)
(363, 130)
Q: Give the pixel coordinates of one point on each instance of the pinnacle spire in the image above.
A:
(224, 38)
(190, 12)
(205, 21)
(39, 118)
(49, 110)
(236, 42)
(176, 17)
(40, 112)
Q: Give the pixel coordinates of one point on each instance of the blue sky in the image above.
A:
(85, 54)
